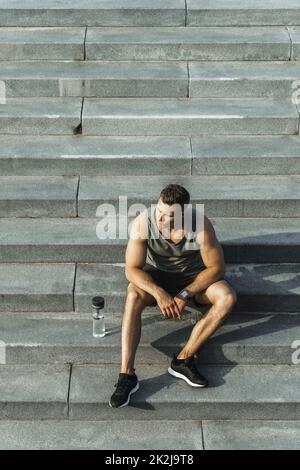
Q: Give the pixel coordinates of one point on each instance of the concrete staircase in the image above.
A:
(101, 99)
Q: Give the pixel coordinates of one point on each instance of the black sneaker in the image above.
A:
(127, 384)
(186, 369)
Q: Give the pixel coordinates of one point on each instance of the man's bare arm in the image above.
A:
(213, 258)
(135, 257)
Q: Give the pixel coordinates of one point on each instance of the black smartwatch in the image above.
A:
(185, 295)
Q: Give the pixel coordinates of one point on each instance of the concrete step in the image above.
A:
(224, 155)
(129, 156)
(33, 392)
(78, 155)
(239, 13)
(26, 196)
(67, 339)
(251, 435)
(244, 240)
(149, 435)
(42, 287)
(36, 287)
(102, 79)
(107, 79)
(243, 79)
(236, 392)
(42, 43)
(153, 116)
(40, 116)
(93, 12)
(241, 392)
(260, 287)
(223, 196)
(295, 38)
(95, 435)
(203, 43)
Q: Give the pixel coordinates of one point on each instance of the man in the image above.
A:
(163, 270)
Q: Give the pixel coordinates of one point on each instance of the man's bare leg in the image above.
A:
(222, 297)
(136, 300)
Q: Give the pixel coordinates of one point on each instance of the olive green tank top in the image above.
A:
(163, 254)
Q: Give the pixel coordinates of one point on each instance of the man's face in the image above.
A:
(165, 217)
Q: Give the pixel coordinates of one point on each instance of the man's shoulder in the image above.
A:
(205, 230)
(139, 227)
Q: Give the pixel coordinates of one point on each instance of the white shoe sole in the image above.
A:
(181, 376)
(135, 389)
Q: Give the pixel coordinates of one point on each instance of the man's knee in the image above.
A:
(136, 295)
(226, 301)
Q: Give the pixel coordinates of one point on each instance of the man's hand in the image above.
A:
(168, 305)
(181, 304)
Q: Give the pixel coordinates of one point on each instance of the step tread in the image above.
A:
(118, 435)
(42, 108)
(251, 435)
(150, 434)
(241, 392)
(268, 383)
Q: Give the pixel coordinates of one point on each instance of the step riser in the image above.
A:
(244, 88)
(33, 208)
(62, 208)
(218, 208)
(148, 166)
(241, 17)
(189, 126)
(276, 355)
(36, 303)
(108, 88)
(64, 303)
(107, 254)
(222, 411)
(150, 127)
(172, 15)
(38, 126)
(41, 52)
(202, 52)
(246, 303)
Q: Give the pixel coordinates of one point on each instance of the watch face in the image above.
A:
(184, 294)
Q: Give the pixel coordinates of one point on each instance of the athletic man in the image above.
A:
(163, 270)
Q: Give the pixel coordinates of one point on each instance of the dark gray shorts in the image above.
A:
(169, 281)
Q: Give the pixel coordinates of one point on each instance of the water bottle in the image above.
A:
(98, 318)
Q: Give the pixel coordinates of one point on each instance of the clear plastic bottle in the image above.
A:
(98, 318)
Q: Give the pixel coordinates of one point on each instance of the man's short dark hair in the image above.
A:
(175, 194)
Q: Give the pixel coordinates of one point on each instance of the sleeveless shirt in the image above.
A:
(164, 255)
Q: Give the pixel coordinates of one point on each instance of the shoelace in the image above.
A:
(193, 368)
(122, 384)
